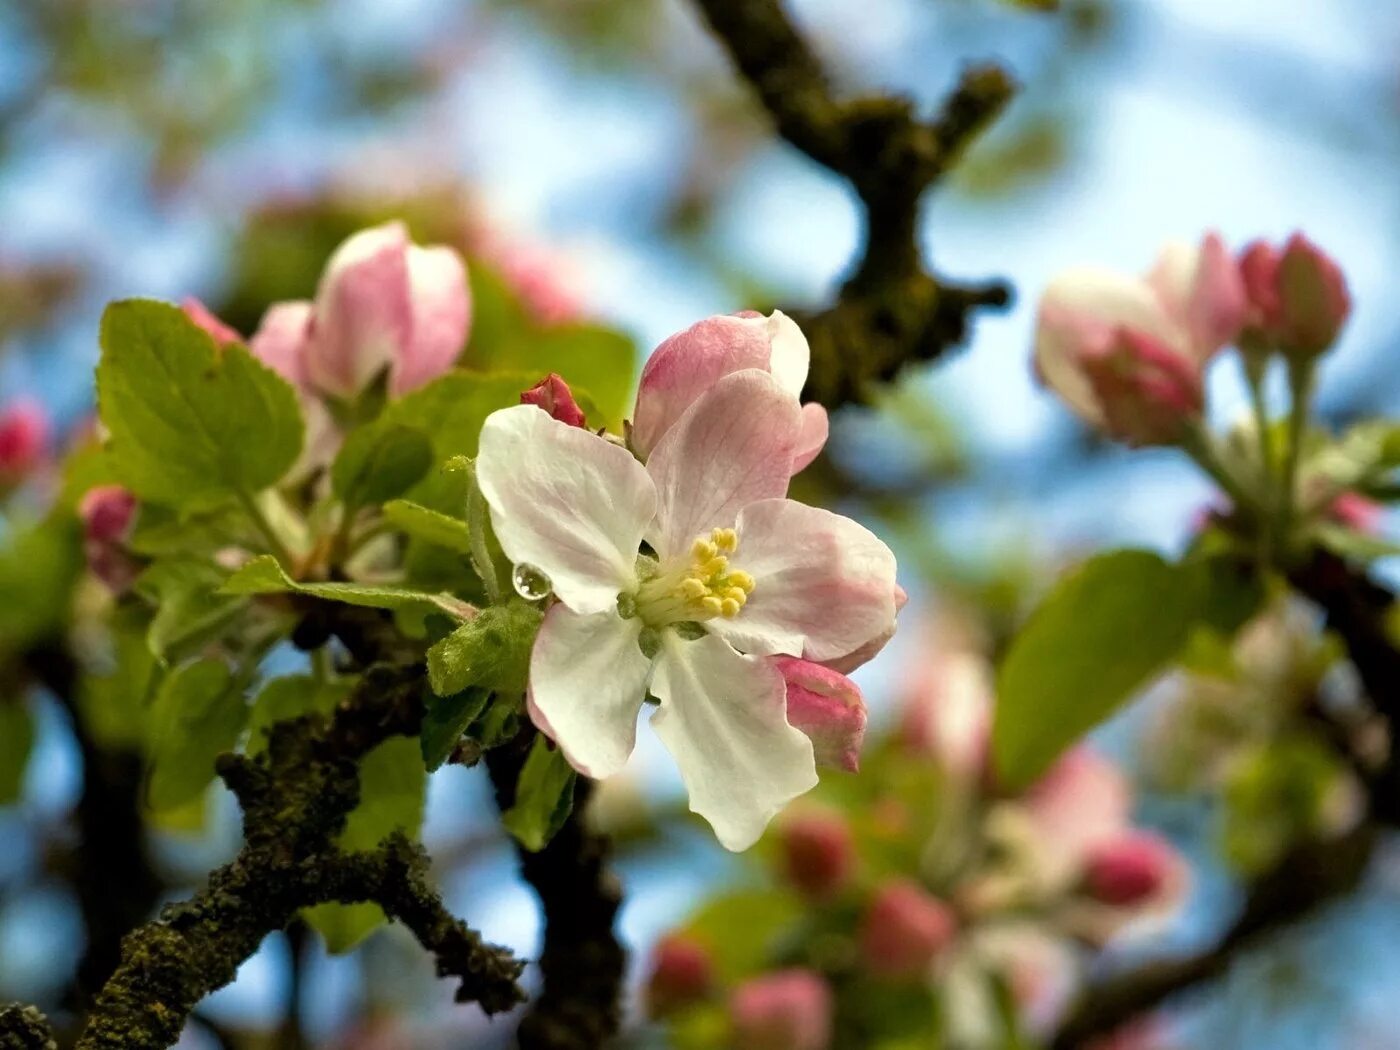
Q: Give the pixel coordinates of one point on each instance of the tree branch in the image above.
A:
(1306, 879)
(582, 961)
(891, 311)
(295, 797)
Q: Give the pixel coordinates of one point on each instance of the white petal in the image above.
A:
(587, 682)
(566, 501)
(722, 718)
(733, 446)
(791, 356)
(825, 585)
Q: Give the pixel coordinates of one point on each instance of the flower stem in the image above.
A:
(1269, 491)
(1300, 381)
(1197, 443)
(259, 520)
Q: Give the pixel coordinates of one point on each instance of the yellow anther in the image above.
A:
(712, 605)
(693, 587)
(739, 578)
(702, 550)
(714, 567)
(726, 540)
(730, 608)
(734, 594)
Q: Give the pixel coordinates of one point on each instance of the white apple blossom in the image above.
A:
(678, 579)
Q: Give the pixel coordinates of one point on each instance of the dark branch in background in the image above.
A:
(295, 795)
(583, 963)
(108, 866)
(1297, 888)
(891, 311)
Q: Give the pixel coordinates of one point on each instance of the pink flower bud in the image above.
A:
(201, 315)
(24, 435)
(385, 303)
(1148, 393)
(554, 396)
(828, 707)
(108, 513)
(904, 930)
(787, 1010)
(681, 973)
(1356, 512)
(818, 853)
(1131, 869)
(1081, 802)
(949, 714)
(281, 341)
(1259, 267)
(1203, 290)
(687, 364)
(1313, 299)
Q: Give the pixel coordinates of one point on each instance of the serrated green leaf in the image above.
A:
(197, 715)
(189, 608)
(428, 525)
(379, 462)
(1099, 637)
(491, 651)
(190, 424)
(292, 696)
(264, 575)
(393, 785)
(16, 740)
(447, 718)
(544, 797)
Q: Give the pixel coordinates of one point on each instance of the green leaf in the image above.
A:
(393, 785)
(452, 408)
(16, 740)
(447, 718)
(191, 425)
(428, 525)
(1101, 635)
(39, 567)
(197, 715)
(190, 611)
(264, 575)
(292, 696)
(1359, 546)
(115, 705)
(1275, 795)
(491, 651)
(379, 462)
(544, 797)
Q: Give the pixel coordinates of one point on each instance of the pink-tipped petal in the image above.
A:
(733, 446)
(825, 585)
(815, 429)
(281, 339)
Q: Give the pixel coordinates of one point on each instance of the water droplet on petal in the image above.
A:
(530, 583)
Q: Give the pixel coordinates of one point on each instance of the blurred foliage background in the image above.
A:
(598, 162)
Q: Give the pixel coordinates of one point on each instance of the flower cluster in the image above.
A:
(681, 575)
(924, 882)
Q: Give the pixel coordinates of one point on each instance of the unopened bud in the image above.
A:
(554, 396)
(24, 435)
(818, 854)
(1313, 299)
(828, 707)
(1148, 392)
(1130, 869)
(108, 512)
(904, 930)
(788, 1010)
(681, 973)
